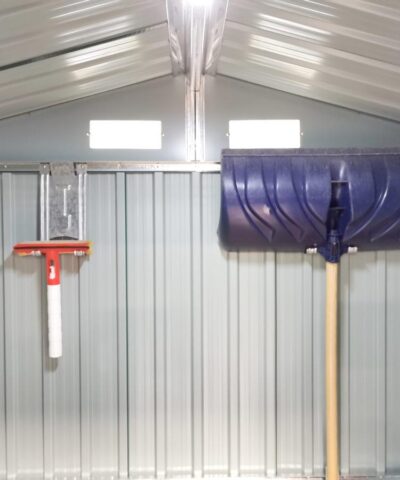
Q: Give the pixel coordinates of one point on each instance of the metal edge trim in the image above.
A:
(121, 167)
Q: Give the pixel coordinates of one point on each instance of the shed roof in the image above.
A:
(340, 52)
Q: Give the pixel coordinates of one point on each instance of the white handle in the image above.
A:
(54, 320)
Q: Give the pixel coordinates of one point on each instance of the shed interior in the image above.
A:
(181, 359)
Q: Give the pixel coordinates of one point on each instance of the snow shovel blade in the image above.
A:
(292, 200)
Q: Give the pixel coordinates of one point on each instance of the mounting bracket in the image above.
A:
(63, 201)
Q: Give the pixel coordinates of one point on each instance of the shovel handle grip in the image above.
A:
(54, 320)
(54, 304)
(331, 352)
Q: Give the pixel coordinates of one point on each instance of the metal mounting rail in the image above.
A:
(172, 167)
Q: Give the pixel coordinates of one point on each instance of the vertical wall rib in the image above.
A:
(160, 325)
(99, 333)
(344, 362)
(318, 364)
(3, 442)
(234, 362)
(290, 297)
(252, 363)
(178, 335)
(63, 378)
(141, 325)
(197, 324)
(181, 359)
(215, 338)
(392, 389)
(363, 362)
(120, 207)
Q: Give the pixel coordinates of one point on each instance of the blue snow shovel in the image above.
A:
(327, 201)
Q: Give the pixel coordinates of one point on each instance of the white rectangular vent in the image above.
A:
(125, 134)
(264, 133)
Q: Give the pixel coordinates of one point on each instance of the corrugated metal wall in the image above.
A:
(180, 359)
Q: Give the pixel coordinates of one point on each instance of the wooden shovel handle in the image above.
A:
(331, 352)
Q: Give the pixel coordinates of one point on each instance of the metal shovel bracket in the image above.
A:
(63, 201)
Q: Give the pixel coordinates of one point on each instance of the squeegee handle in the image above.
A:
(331, 352)
(54, 304)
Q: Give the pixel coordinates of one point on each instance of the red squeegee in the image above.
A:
(52, 251)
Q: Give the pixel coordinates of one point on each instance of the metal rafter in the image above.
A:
(215, 33)
(176, 30)
(196, 50)
(195, 34)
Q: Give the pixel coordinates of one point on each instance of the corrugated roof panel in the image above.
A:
(327, 50)
(33, 28)
(85, 72)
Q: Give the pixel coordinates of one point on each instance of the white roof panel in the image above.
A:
(33, 28)
(85, 72)
(346, 53)
(341, 52)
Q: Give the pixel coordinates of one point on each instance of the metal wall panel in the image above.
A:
(318, 366)
(364, 322)
(290, 385)
(177, 323)
(42, 136)
(99, 333)
(61, 417)
(216, 345)
(62, 395)
(3, 444)
(322, 125)
(23, 324)
(181, 359)
(392, 357)
(141, 325)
